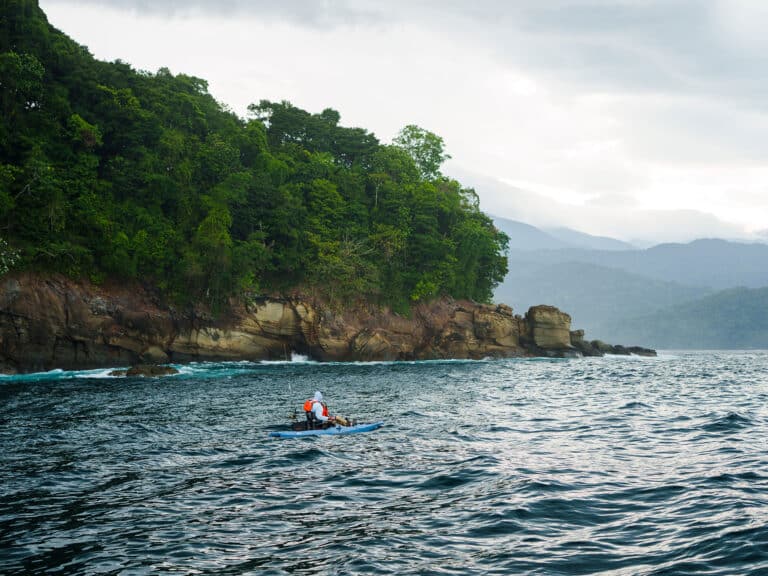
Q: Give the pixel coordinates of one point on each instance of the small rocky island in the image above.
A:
(54, 322)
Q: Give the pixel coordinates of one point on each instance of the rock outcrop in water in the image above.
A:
(53, 322)
(147, 370)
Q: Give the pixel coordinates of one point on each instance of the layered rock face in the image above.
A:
(550, 328)
(53, 322)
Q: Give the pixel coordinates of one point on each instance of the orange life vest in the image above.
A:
(309, 404)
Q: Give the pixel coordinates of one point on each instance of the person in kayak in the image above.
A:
(317, 412)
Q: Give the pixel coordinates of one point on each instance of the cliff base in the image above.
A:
(53, 322)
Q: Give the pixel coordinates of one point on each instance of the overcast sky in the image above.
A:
(645, 120)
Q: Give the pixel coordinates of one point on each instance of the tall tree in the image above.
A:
(426, 148)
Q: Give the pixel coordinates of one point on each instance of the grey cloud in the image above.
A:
(671, 46)
(612, 200)
(695, 131)
(302, 12)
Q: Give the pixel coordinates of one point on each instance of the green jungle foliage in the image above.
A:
(106, 171)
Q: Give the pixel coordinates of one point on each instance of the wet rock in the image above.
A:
(151, 370)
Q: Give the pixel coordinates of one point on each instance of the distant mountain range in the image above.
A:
(620, 293)
(729, 319)
(581, 240)
(524, 237)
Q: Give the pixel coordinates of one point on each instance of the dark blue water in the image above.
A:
(610, 466)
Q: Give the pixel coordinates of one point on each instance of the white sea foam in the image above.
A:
(50, 375)
(296, 358)
(99, 373)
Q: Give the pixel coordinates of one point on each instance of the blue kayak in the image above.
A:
(333, 431)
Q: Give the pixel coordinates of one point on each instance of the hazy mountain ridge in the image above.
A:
(715, 264)
(583, 240)
(615, 294)
(735, 318)
(526, 237)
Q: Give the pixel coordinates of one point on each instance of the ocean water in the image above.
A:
(617, 465)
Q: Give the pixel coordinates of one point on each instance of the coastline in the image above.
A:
(52, 322)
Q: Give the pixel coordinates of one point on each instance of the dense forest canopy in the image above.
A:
(106, 171)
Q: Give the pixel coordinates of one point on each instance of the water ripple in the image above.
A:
(612, 466)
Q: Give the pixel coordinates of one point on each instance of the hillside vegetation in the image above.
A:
(109, 172)
(731, 319)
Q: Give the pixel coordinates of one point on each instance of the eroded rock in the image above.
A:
(550, 328)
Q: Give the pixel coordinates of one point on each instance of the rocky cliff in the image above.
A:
(53, 322)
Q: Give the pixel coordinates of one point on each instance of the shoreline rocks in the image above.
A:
(600, 348)
(54, 322)
(146, 370)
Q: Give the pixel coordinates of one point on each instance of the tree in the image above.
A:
(426, 148)
(106, 171)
